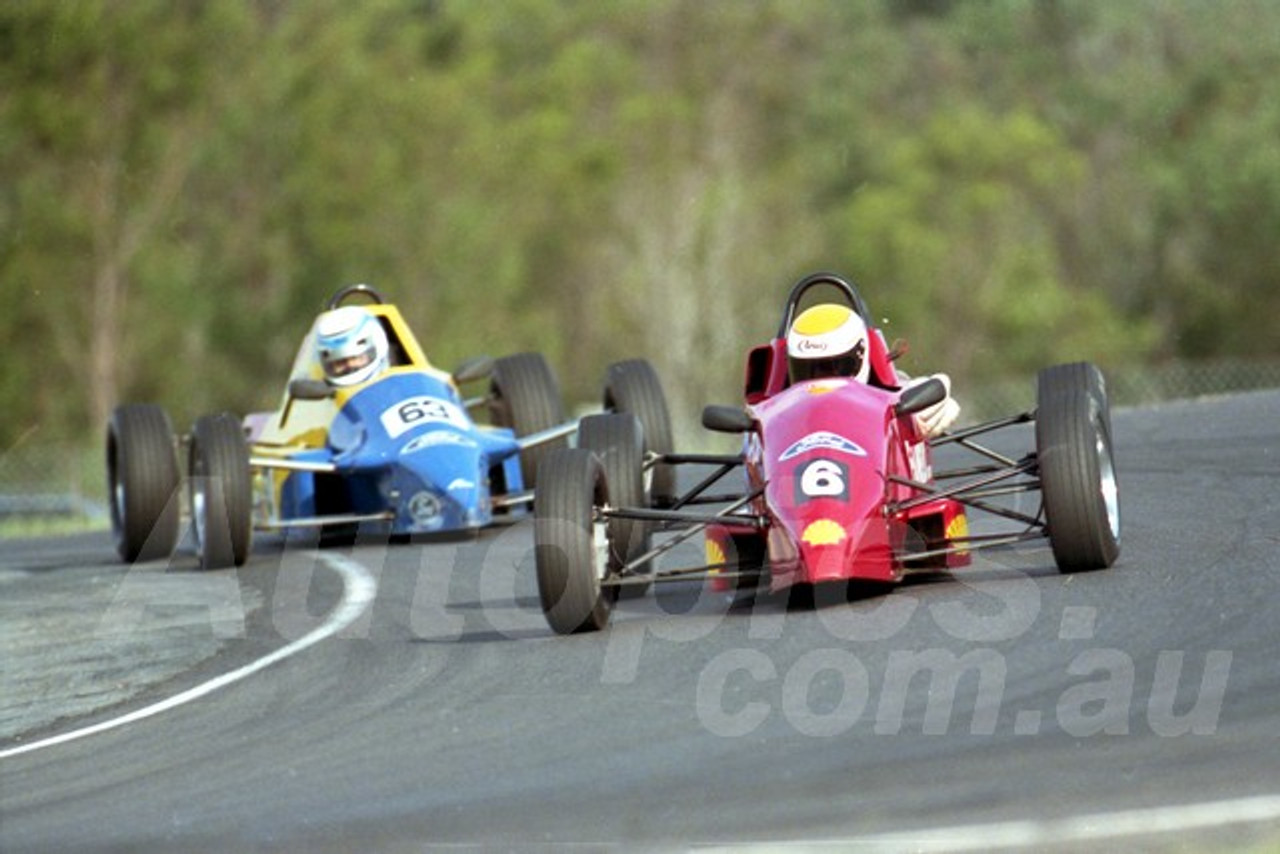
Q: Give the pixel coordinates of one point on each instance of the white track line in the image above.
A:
(359, 589)
(1091, 828)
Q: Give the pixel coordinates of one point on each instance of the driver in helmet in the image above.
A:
(831, 340)
(351, 345)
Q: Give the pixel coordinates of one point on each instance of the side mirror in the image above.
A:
(921, 396)
(727, 419)
(308, 389)
(477, 368)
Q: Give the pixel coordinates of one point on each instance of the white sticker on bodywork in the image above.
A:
(824, 441)
(417, 411)
(436, 438)
(921, 469)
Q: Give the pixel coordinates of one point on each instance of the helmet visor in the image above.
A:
(341, 366)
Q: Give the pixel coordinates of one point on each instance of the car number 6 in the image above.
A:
(822, 479)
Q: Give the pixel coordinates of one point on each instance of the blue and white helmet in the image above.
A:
(351, 345)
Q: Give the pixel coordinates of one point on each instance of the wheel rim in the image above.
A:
(118, 504)
(1108, 483)
(199, 500)
(600, 549)
(117, 490)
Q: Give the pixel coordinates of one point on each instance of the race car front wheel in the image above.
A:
(618, 440)
(221, 492)
(571, 549)
(1077, 467)
(142, 476)
(525, 396)
(633, 386)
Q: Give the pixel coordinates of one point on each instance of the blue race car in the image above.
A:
(368, 437)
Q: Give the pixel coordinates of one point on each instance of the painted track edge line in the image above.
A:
(1034, 834)
(359, 590)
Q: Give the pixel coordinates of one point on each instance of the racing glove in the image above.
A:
(937, 418)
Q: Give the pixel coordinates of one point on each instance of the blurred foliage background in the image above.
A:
(1012, 183)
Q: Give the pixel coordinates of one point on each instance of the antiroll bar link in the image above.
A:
(932, 493)
(699, 524)
(964, 493)
(706, 483)
(962, 437)
(974, 544)
(683, 574)
(705, 459)
(985, 427)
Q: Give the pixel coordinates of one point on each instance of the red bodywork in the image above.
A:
(834, 460)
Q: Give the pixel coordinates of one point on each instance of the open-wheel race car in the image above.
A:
(392, 450)
(839, 484)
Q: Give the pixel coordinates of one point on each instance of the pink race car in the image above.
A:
(840, 485)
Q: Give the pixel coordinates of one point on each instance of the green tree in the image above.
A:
(956, 224)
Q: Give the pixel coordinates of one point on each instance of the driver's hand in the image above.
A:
(937, 418)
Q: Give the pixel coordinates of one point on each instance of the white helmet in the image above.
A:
(828, 340)
(351, 345)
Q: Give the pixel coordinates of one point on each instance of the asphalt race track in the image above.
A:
(1006, 706)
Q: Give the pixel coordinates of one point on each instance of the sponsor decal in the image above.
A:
(420, 411)
(437, 438)
(823, 532)
(715, 555)
(460, 483)
(823, 386)
(424, 510)
(918, 456)
(958, 528)
(822, 478)
(809, 345)
(822, 441)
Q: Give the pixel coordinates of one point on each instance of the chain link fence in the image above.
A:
(39, 483)
(1137, 386)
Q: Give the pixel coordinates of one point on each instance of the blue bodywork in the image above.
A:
(406, 445)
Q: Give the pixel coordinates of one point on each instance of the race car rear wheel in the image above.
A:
(221, 492)
(142, 476)
(618, 440)
(1077, 467)
(525, 396)
(571, 549)
(633, 386)
(749, 554)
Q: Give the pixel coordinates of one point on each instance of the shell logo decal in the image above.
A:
(958, 528)
(715, 555)
(823, 532)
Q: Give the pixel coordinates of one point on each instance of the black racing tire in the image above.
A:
(143, 482)
(570, 560)
(618, 440)
(750, 552)
(525, 396)
(633, 386)
(221, 492)
(1078, 480)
